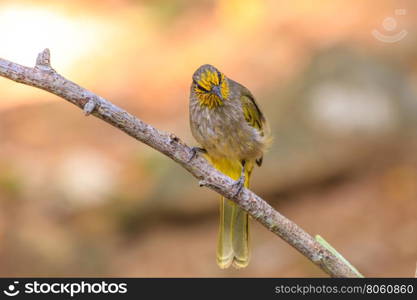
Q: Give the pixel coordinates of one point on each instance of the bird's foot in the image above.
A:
(194, 151)
(238, 185)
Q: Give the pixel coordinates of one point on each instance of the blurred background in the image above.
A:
(336, 79)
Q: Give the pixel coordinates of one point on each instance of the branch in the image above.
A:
(44, 77)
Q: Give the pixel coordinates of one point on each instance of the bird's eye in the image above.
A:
(201, 88)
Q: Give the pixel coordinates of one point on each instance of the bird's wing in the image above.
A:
(252, 113)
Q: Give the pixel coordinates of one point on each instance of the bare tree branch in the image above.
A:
(44, 77)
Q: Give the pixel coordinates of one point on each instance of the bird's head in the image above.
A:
(211, 86)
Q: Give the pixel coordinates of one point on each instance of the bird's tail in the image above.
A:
(233, 242)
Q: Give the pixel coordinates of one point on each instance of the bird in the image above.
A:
(234, 134)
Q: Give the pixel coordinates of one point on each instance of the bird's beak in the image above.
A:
(216, 91)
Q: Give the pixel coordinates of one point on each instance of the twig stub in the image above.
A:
(43, 61)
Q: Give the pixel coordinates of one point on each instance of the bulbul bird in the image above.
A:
(234, 134)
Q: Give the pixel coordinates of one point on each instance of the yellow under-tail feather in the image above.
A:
(233, 243)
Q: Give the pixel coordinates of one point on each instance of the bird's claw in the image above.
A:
(238, 185)
(194, 151)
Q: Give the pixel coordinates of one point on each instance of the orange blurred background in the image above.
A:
(336, 79)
